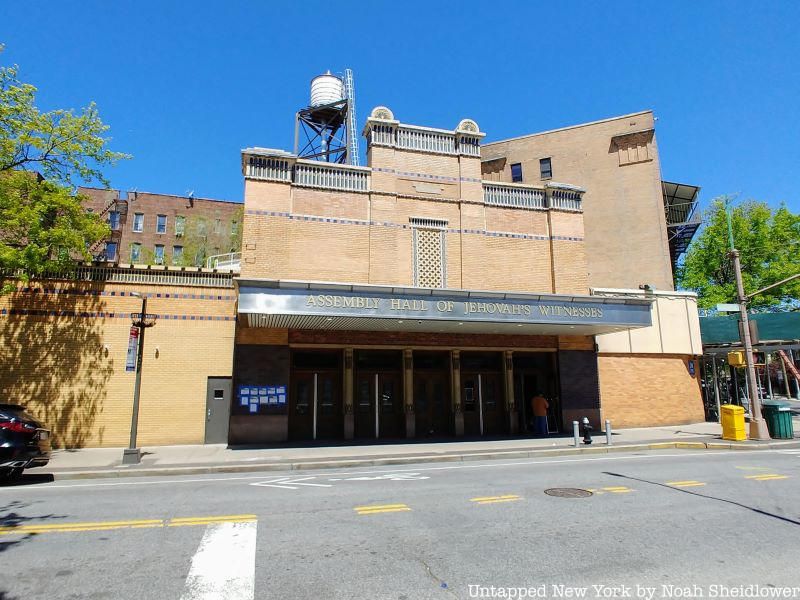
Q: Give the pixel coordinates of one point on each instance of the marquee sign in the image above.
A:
(553, 310)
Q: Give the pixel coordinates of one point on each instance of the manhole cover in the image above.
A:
(568, 493)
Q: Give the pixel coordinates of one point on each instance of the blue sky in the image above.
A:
(184, 89)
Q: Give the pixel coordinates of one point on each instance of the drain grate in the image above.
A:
(568, 493)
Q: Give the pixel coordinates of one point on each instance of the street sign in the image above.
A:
(133, 342)
(731, 308)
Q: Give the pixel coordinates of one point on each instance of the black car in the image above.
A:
(24, 442)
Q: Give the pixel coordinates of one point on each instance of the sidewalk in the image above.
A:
(193, 459)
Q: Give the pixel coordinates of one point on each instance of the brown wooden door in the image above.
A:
(379, 405)
(493, 404)
(301, 407)
(315, 412)
(330, 419)
(470, 403)
(482, 400)
(431, 404)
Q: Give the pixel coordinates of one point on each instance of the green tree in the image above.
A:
(768, 241)
(43, 225)
(57, 144)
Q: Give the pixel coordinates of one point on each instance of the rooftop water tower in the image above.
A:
(326, 129)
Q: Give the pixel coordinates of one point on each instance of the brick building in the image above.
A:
(163, 229)
(431, 293)
(436, 290)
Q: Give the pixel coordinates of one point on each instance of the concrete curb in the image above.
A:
(411, 459)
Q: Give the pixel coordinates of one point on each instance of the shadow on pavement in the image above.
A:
(27, 479)
(699, 495)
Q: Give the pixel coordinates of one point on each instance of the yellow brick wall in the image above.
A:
(626, 236)
(70, 370)
(292, 232)
(646, 390)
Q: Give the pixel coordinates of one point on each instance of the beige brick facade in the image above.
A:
(646, 390)
(63, 347)
(303, 233)
(616, 160)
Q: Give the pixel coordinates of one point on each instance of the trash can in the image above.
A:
(779, 419)
(733, 423)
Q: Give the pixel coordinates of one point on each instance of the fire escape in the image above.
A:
(683, 218)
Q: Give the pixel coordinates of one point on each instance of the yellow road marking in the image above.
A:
(688, 483)
(618, 489)
(492, 498)
(767, 476)
(495, 499)
(108, 525)
(188, 521)
(381, 508)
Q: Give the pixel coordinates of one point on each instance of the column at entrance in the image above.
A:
(511, 404)
(458, 412)
(408, 389)
(349, 420)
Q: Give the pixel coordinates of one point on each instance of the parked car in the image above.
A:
(24, 441)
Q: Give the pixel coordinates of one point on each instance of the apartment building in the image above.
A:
(163, 229)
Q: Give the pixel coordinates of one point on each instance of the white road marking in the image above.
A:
(387, 477)
(224, 565)
(289, 483)
(487, 465)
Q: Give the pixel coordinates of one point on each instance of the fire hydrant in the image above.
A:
(587, 431)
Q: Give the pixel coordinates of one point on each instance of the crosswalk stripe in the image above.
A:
(224, 564)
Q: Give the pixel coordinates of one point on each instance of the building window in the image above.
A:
(161, 224)
(136, 253)
(234, 227)
(217, 226)
(177, 254)
(429, 252)
(545, 168)
(138, 222)
(180, 225)
(111, 251)
(113, 220)
(159, 254)
(201, 228)
(516, 173)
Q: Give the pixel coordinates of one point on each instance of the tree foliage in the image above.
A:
(43, 225)
(768, 241)
(58, 144)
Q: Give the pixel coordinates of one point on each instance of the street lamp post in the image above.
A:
(758, 427)
(133, 455)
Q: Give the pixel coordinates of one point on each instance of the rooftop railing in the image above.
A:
(334, 177)
(513, 195)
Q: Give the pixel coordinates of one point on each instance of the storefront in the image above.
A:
(319, 361)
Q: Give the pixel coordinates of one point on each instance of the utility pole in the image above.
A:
(758, 427)
(133, 455)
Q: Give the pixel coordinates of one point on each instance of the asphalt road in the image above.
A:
(694, 520)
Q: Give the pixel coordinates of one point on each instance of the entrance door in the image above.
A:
(431, 404)
(301, 410)
(379, 405)
(218, 409)
(316, 406)
(536, 373)
(482, 401)
(492, 403)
